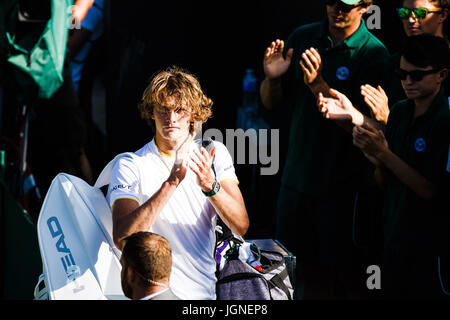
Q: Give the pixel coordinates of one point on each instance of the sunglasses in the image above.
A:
(342, 6)
(416, 75)
(418, 13)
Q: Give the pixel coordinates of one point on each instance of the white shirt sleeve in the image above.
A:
(223, 163)
(124, 181)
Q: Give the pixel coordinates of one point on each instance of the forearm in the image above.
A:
(379, 177)
(81, 8)
(379, 125)
(271, 93)
(142, 217)
(231, 210)
(407, 174)
(319, 86)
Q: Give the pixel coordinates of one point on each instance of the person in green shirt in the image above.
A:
(324, 172)
(417, 17)
(412, 162)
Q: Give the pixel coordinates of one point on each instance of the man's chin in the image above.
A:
(175, 135)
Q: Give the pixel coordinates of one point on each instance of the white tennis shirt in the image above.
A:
(188, 219)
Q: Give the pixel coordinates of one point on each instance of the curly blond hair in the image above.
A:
(180, 84)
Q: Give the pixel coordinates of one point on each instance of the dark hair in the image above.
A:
(149, 254)
(427, 50)
(438, 3)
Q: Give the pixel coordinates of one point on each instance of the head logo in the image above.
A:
(67, 260)
(420, 145)
(342, 73)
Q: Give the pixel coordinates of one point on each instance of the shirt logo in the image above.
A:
(342, 73)
(420, 145)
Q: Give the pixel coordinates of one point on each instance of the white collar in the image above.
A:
(154, 294)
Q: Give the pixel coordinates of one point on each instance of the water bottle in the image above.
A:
(250, 92)
(248, 109)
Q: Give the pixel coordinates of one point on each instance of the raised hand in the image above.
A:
(377, 100)
(339, 107)
(201, 165)
(179, 169)
(275, 65)
(311, 65)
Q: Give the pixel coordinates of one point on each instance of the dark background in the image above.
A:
(216, 41)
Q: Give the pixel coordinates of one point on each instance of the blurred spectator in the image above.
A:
(146, 265)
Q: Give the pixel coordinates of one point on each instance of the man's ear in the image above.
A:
(443, 74)
(131, 274)
(444, 15)
(363, 10)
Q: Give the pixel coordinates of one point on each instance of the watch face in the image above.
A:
(216, 187)
(214, 190)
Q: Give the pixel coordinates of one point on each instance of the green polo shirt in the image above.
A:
(411, 223)
(321, 155)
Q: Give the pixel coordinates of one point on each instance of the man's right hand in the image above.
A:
(179, 169)
(377, 100)
(275, 65)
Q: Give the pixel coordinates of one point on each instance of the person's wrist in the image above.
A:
(172, 182)
(357, 118)
(317, 83)
(215, 188)
(208, 185)
(382, 154)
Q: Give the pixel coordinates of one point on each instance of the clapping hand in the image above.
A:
(311, 65)
(377, 100)
(371, 141)
(179, 169)
(339, 107)
(202, 163)
(275, 65)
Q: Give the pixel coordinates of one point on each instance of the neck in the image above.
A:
(440, 33)
(140, 293)
(422, 104)
(166, 146)
(340, 34)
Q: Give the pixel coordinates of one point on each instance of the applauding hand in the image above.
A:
(275, 65)
(372, 142)
(377, 100)
(179, 169)
(311, 65)
(339, 107)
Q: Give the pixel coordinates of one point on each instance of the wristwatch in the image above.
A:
(214, 190)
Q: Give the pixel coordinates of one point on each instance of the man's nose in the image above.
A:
(173, 117)
(408, 79)
(411, 18)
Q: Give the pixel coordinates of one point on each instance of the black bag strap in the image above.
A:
(273, 263)
(240, 276)
(277, 281)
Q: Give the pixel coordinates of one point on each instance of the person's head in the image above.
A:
(146, 264)
(173, 102)
(423, 65)
(343, 14)
(423, 16)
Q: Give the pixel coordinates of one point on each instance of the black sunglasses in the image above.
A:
(342, 6)
(416, 75)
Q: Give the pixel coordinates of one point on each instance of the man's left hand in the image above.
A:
(202, 163)
(311, 65)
